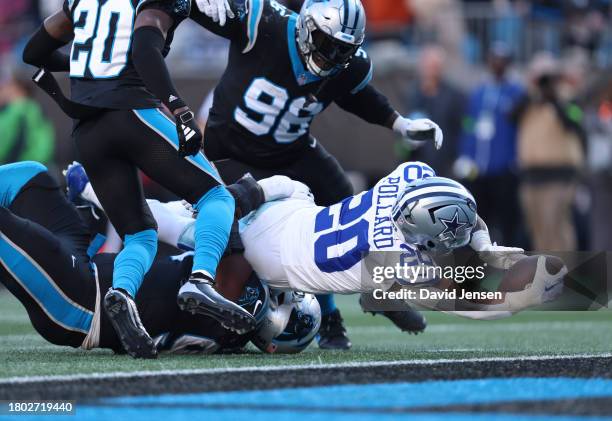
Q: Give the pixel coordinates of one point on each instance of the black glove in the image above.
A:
(189, 135)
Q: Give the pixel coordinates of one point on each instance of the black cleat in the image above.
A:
(332, 334)
(407, 319)
(123, 314)
(199, 296)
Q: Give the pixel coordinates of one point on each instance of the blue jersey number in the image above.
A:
(102, 37)
(352, 228)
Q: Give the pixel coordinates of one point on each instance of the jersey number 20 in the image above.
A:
(266, 101)
(332, 252)
(102, 36)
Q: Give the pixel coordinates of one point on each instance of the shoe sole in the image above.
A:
(136, 342)
(233, 320)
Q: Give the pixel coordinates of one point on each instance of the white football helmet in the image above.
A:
(329, 33)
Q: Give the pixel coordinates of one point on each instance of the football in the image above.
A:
(522, 273)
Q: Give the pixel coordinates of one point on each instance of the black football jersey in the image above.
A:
(101, 70)
(261, 107)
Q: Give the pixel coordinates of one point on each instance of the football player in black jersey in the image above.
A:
(120, 129)
(283, 70)
(46, 262)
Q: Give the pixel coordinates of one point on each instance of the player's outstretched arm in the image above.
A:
(149, 40)
(372, 106)
(499, 257)
(41, 49)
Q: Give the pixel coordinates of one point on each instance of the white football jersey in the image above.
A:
(322, 249)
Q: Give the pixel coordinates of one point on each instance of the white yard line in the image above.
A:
(284, 368)
(479, 327)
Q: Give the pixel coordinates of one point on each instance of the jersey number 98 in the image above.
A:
(265, 102)
(102, 34)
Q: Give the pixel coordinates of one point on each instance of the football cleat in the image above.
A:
(332, 334)
(76, 180)
(123, 314)
(407, 319)
(198, 295)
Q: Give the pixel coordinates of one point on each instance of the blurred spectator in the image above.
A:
(431, 96)
(488, 149)
(443, 20)
(17, 19)
(26, 132)
(550, 155)
(585, 22)
(599, 125)
(386, 18)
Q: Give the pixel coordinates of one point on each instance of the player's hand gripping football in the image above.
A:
(189, 135)
(217, 10)
(421, 129)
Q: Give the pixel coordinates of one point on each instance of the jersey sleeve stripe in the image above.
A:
(255, 12)
(365, 81)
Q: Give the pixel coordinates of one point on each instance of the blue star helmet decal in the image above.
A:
(452, 226)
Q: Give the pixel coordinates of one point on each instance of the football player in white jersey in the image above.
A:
(410, 214)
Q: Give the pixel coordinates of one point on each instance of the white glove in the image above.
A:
(544, 288)
(493, 255)
(280, 187)
(217, 10)
(421, 129)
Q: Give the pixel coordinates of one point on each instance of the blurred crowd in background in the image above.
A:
(522, 90)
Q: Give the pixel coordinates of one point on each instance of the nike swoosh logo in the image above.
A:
(257, 304)
(546, 289)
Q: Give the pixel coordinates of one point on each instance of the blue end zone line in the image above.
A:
(166, 129)
(41, 287)
(428, 393)
(283, 368)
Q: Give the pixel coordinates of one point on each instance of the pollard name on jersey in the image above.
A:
(101, 70)
(326, 246)
(261, 102)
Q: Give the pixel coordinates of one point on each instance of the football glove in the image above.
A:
(421, 129)
(189, 135)
(217, 10)
(546, 287)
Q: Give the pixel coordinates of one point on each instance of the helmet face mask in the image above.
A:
(325, 42)
(436, 214)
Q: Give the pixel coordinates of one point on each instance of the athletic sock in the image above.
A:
(134, 261)
(212, 229)
(327, 303)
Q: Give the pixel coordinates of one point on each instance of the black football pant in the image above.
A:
(44, 263)
(114, 145)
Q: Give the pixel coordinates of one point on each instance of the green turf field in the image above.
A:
(24, 353)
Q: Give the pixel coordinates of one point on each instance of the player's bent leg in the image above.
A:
(195, 179)
(106, 157)
(213, 224)
(57, 289)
